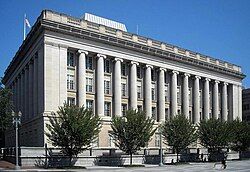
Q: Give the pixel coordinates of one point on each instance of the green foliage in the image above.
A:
(214, 134)
(239, 135)
(179, 133)
(73, 129)
(6, 107)
(132, 132)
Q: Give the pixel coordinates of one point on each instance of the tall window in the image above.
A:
(153, 75)
(210, 100)
(166, 114)
(89, 105)
(179, 95)
(124, 109)
(200, 97)
(153, 92)
(166, 93)
(107, 66)
(154, 113)
(139, 75)
(124, 69)
(89, 63)
(70, 82)
(89, 84)
(70, 59)
(106, 87)
(124, 89)
(107, 108)
(139, 107)
(190, 96)
(71, 101)
(139, 92)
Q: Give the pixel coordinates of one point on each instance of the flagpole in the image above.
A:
(24, 27)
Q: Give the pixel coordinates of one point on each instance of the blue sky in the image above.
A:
(218, 28)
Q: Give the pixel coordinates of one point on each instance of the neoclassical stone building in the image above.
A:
(109, 70)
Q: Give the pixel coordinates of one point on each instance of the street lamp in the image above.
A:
(161, 158)
(16, 121)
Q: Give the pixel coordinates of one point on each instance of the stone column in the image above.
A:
(35, 86)
(148, 91)
(224, 102)
(19, 91)
(216, 100)
(133, 85)
(196, 105)
(185, 104)
(31, 105)
(26, 95)
(23, 93)
(81, 78)
(174, 94)
(206, 98)
(100, 84)
(161, 97)
(117, 88)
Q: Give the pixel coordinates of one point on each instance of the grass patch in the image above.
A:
(68, 167)
(134, 165)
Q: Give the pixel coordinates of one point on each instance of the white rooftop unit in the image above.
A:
(105, 22)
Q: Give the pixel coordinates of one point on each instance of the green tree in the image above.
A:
(239, 135)
(6, 107)
(179, 133)
(132, 132)
(214, 134)
(73, 129)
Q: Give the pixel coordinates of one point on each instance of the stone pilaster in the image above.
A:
(31, 89)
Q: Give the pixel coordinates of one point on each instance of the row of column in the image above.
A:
(25, 90)
(148, 92)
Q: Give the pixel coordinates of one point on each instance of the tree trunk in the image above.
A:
(70, 159)
(130, 158)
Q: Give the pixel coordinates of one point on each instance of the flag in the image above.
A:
(27, 22)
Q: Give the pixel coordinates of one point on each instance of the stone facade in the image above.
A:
(246, 104)
(65, 59)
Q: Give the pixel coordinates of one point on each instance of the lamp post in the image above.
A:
(161, 158)
(16, 121)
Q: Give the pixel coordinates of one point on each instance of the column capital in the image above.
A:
(101, 56)
(118, 59)
(160, 69)
(207, 79)
(174, 72)
(225, 83)
(197, 77)
(216, 81)
(82, 51)
(134, 62)
(186, 74)
(149, 66)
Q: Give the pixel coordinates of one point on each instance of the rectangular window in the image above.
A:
(89, 105)
(139, 75)
(106, 87)
(190, 96)
(107, 108)
(71, 101)
(70, 82)
(139, 92)
(70, 59)
(153, 94)
(166, 114)
(153, 75)
(166, 93)
(124, 89)
(89, 63)
(200, 98)
(89, 84)
(124, 69)
(124, 109)
(107, 66)
(210, 100)
(139, 107)
(179, 95)
(154, 113)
